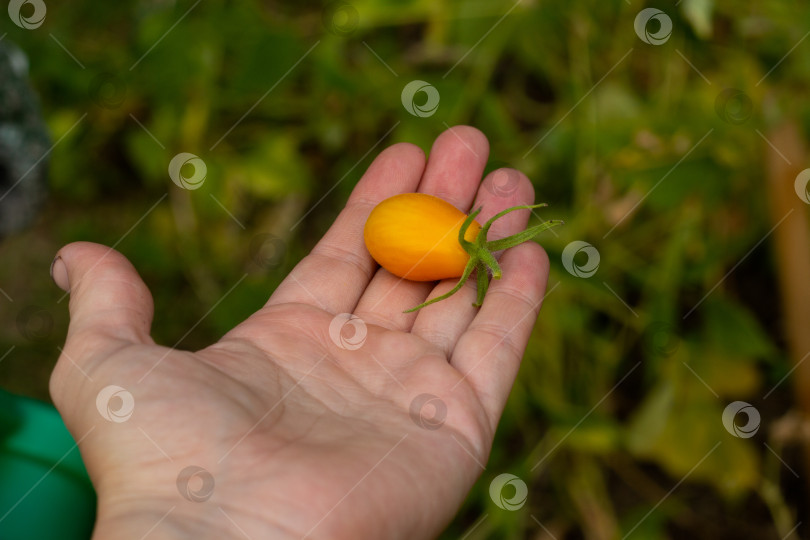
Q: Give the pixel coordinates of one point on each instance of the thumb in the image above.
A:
(109, 302)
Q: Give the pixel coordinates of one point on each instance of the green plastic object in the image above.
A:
(44, 488)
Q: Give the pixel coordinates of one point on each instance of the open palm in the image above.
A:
(304, 421)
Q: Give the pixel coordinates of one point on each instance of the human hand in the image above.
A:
(297, 432)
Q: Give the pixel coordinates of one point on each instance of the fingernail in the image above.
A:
(59, 274)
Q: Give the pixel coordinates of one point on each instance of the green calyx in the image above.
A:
(481, 258)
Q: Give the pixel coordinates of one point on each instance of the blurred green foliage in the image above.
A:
(620, 395)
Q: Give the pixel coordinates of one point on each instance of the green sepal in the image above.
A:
(467, 271)
(462, 232)
(480, 250)
(519, 238)
(488, 224)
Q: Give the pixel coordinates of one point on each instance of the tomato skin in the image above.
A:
(415, 236)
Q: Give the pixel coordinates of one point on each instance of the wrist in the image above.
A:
(144, 515)
(139, 515)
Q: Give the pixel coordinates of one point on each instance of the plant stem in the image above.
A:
(480, 252)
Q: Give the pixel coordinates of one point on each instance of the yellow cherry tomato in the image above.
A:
(415, 236)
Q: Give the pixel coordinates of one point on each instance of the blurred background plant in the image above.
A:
(615, 420)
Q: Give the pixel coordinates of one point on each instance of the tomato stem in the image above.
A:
(482, 285)
(480, 250)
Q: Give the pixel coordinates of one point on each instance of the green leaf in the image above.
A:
(731, 329)
(595, 435)
(650, 419)
(699, 15)
(679, 425)
(727, 375)
(645, 523)
(273, 170)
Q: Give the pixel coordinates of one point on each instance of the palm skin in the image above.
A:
(302, 435)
